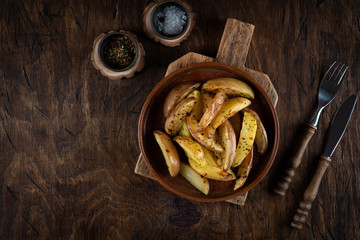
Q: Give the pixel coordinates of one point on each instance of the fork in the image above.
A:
(329, 86)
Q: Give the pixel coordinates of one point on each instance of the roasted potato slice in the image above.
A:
(244, 170)
(198, 108)
(211, 172)
(191, 148)
(228, 109)
(261, 139)
(228, 140)
(231, 87)
(212, 110)
(206, 98)
(169, 151)
(210, 143)
(199, 182)
(246, 139)
(184, 131)
(178, 115)
(210, 157)
(177, 94)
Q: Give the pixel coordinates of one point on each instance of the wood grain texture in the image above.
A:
(235, 43)
(187, 59)
(264, 81)
(68, 136)
(142, 169)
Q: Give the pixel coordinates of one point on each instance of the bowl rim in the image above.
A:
(160, 85)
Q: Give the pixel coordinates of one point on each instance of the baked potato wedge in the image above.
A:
(184, 131)
(210, 143)
(211, 172)
(198, 108)
(231, 87)
(227, 110)
(212, 110)
(169, 151)
(191, 148)
(206, 98)
(228, 140)
(244, 170)
(178, 115)
(246, 139)
(176, 95)
(261, 138)
(199, 182)
(210, 157)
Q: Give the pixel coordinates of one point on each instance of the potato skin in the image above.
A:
(231, 87)
(169, 151)
(227, 139)
(178, 115)
(176, 95)
(212, 110)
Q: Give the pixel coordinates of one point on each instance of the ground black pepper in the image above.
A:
(119, 52)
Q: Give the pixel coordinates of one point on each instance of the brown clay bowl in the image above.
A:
(152, 118)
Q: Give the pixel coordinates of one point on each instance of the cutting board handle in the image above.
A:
(235, 43)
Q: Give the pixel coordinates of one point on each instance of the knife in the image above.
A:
(336, 131)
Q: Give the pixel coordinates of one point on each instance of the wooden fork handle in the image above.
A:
(310, 194)
(295, 160)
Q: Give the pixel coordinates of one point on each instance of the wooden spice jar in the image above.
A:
(168, 21)
(117, 55)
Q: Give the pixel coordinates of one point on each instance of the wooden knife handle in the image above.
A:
(310, 194)
(295, 160)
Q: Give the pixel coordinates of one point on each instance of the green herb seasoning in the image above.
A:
(119, 52)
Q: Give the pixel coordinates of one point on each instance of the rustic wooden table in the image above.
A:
(68, 136)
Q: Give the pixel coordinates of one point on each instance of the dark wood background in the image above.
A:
(68, 136)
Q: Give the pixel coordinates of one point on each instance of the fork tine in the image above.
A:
(342, 75)
(331, 79)
(328, 71)
(336, 74)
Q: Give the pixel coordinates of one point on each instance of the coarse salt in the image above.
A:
(171, 20)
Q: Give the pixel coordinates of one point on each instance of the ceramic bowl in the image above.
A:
(152, 118)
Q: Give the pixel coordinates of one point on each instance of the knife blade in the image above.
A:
(338, 125)
(336, 131)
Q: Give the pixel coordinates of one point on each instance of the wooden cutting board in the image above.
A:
(233, 50)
